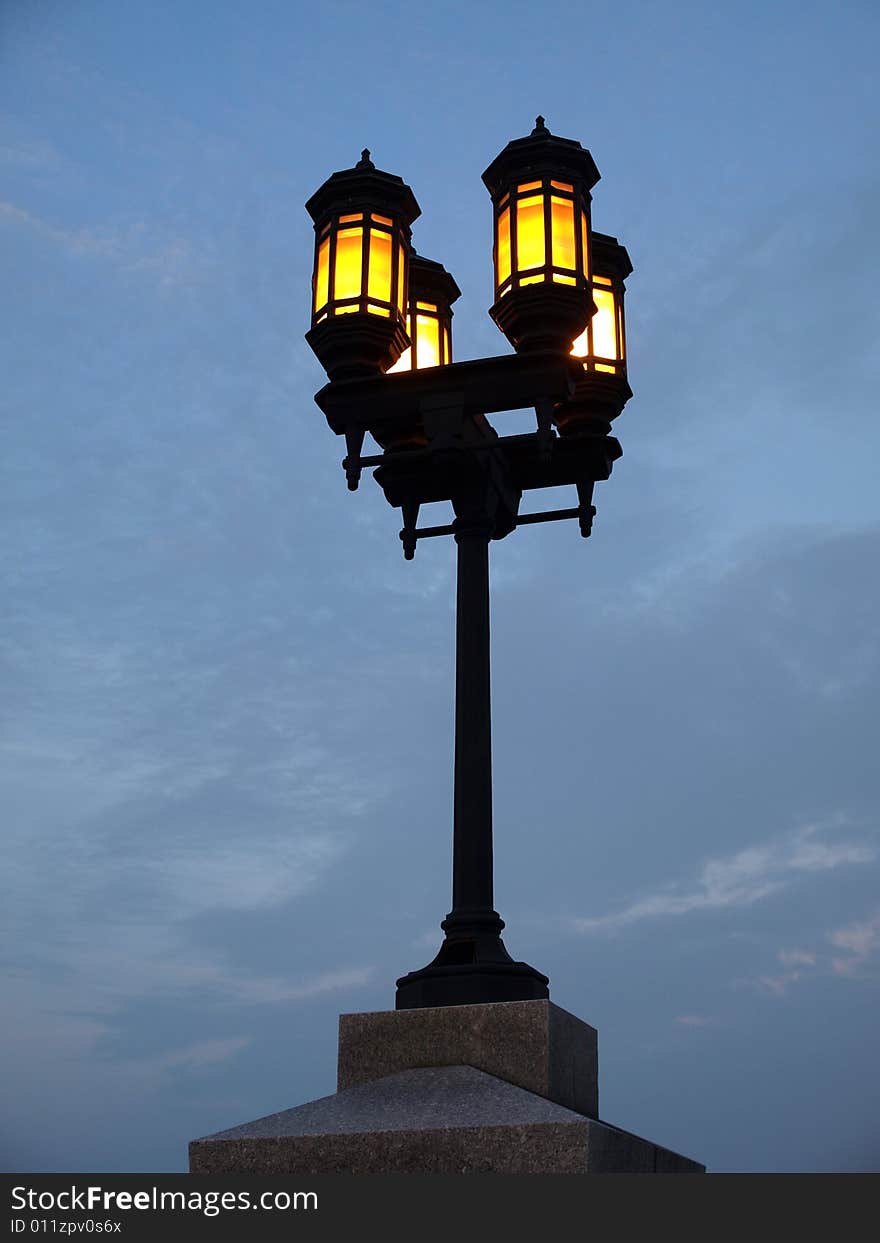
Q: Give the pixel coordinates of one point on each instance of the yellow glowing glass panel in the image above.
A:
(347, 219)
(585, 247)
(562, 185)
(379, 285)
(426, 306)
(581, 347)
(562, 226)
(427, 341)
(347, 310)
(381, 219)
(529, 185)
(530, 250)
(404, 363)
(531, 280)
(563, 280)
(400, 304)
(605, 367)
(604, 324)
(620, 347)
(322, 278)
(347, 269)
(503, 257)
(447, 357)
(378, 310)
(602, 280)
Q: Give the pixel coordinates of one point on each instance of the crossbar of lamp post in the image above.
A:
(550, 515)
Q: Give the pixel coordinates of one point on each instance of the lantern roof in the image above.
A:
(610, 256)
(364, 187)
(431, 279)
(540, 154)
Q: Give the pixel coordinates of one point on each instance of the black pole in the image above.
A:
(472, 821)
(473, 964)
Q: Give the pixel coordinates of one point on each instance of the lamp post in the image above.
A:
(374, 300)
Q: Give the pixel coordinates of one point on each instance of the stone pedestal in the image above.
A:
(532, 1044)
(505, 1088)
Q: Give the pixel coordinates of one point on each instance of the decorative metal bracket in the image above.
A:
(584, 513)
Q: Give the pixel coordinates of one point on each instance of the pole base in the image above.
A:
(471, 967)
(473, 984)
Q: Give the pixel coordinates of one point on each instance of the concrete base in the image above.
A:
(505, 1088)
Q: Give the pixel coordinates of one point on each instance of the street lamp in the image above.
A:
(438, 445)
(602, 390)
(359, 285)
(540, 188)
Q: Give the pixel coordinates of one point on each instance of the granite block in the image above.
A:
(535, 1045)
(441, 1120)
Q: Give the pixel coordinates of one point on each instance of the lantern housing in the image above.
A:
(432, 290)
(361, 271)
(603, 391)
(602, 344)
(540, 188)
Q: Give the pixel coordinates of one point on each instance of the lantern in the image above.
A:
(603, 390)
(540, 188)
(359, 284)
(602, 344)
(431, 293)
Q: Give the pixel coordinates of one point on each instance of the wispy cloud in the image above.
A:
(860, 940)
(28, 152)
(742, 878)
(135, 245)
(696, 1020)
(778, 985)
(81, 1020)
(796, 958)
(797, 962)
(200, 1055)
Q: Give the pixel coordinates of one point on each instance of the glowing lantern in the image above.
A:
(431, 293)
(360, 280)
(540, 188)
(604, 390)
(602, 344)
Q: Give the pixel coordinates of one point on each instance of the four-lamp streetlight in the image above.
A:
(381, 327)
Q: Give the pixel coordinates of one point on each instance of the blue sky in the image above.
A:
(227, 700)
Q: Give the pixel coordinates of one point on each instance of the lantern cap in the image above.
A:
(541, 154)
(364, 188)
(430, 281)
(610, 257)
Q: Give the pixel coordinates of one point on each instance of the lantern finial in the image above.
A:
(540, 128)
(365, 161)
